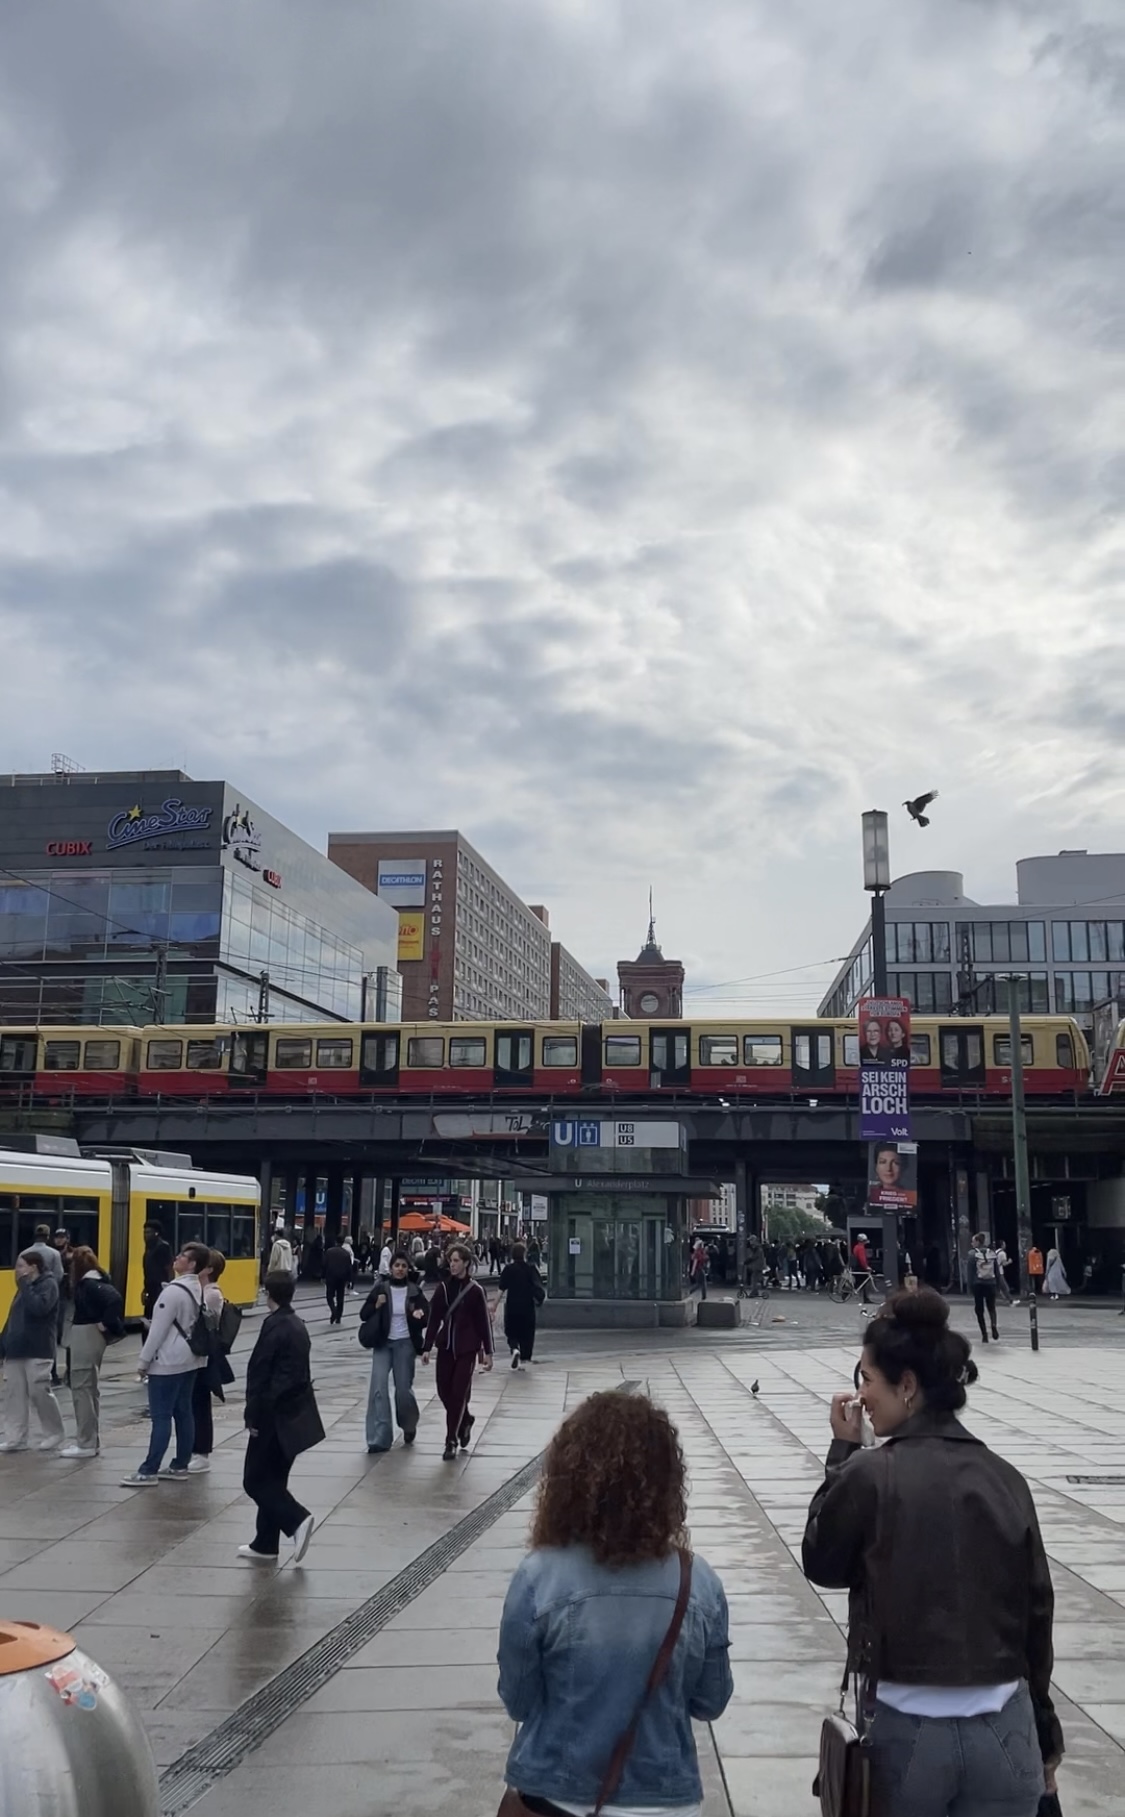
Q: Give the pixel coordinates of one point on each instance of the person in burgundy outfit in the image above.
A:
(461, 1332)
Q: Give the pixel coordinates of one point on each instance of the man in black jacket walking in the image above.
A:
(338, 1265)
(282, 1420)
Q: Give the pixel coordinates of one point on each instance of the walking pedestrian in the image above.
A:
(1057, 1284)
(611, 1621)
(42, 1246)
(61, 1244)
(982, 1280)
(27, 1346)
(156, 1267)
(522, 1292)
(99, 1319)
(697, 1268)
(216, 1373)
(862, 1262)
(461, 1331)
(386, 1256)
(392, 1324)
(282, 1420)
(168, 1363)
(282, 1259)
(339, 1266)
(958, 1658)
(1003, 1263)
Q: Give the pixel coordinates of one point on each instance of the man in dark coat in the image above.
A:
(282, 1420)
(338, 1264)
(156, 1267)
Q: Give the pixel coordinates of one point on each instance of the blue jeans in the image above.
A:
(169, 1400)
(397, 1357)
(967, 1766)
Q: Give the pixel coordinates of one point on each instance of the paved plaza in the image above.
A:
(394, 1612)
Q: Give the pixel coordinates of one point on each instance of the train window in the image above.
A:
(103, 1056)
(218, 1227)
(718, 1050)
(560, 1050)
(61, 1056)
(292, 1054)
(334, 1052)
(851, 1050)
(425, 1050)
(243, 1236)
(17, 1055)
(761, 1050)
(468, 1050)
(165, 1056)
(205, 1056)
(1064, 1051)
(1002, 1050)
(623, 1050)
(919, 1050)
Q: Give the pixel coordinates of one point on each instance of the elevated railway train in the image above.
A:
(754, 1060)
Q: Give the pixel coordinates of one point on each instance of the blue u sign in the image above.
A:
(562, 1135)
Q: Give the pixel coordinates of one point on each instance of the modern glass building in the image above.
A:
(142, 896)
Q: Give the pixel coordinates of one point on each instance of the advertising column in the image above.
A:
(884, 1118)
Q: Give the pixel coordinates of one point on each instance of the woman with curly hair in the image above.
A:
(613, 1636)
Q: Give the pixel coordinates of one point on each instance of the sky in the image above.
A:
(641, 433)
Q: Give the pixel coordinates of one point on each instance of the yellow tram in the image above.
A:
(106, 1200)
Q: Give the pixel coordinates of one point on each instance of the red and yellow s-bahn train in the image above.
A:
(760, 1059)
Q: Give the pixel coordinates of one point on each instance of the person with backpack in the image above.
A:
(177, 1345)
(99, 1319)
(223, 1322)
(461, 1332)
(982, 1280)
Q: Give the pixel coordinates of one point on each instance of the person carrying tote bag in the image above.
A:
(611, 1632)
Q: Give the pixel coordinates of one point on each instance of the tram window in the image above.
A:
(468, 1050)
(560, 1050)
(61, 1056)
(7, 1230)
(851, 1050)
(205, 1056)
(191, 1223)
(218, 1227)
(762, 1050)
(623, 1050)
(1002, 1050)
(165, 1056)
(292, 1054)
(80, 1219)
(334, 1053)
(919, 1050)
(17, 1055)
(1064, 1050)
(243, 1236)
(718, 1050)
(103, 1056)
(425, 1050)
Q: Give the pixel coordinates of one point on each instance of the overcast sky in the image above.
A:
(641, 434)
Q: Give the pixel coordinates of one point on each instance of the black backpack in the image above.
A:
(230, 1324)
(203, 1337)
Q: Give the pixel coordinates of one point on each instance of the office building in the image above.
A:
(469, 948)
(1063, 937)
(575, 996)
(136, 896)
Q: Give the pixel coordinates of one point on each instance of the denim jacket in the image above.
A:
(577, 1643)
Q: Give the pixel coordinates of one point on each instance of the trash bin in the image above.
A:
(70, 1745)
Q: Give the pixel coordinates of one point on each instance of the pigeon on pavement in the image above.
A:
(916, 808)
(754, 1386)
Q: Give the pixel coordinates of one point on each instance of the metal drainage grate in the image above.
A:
(1119, 1480)
(190, 1777)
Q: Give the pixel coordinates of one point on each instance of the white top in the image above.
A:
(632, 1810)
(399, 1327)
(385, 1259)
(946, 1700)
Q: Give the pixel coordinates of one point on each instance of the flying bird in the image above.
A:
(916, 808)
(754, 1386)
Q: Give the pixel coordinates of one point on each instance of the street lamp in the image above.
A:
(1019, 1154)
(877, 879)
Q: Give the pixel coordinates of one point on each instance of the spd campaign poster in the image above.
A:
(884, 1068)
(892, 1176)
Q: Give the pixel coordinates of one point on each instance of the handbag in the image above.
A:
(512, 1805)
(843, 1781)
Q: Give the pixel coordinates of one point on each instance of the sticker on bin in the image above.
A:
(78, 1681)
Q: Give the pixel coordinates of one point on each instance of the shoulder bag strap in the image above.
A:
(867, 1686)
(656, 1678)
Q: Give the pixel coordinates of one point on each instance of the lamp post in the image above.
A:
(877, 879)
(1019, 1153)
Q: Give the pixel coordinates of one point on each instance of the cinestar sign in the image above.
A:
(133, 826)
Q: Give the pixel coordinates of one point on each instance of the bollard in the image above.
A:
(70, 1744)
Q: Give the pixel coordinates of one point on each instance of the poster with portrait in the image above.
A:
(892, 1176)
(883, 1027)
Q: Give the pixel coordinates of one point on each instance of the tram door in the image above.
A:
(670, 1056)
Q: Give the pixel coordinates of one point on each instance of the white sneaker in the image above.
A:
(140, 1479)
(199, 1464)
(78, 1451)
(6, 1447)
(49, 1444)
(515, 1359)
(261, 1558)
(301, 1538)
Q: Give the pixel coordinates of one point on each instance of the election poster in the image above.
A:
(884, 1068)
(892, 1176)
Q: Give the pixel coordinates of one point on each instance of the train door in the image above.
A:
(814, 1063)
(670, 1056)
(379, 1059)
(515, 1057)
(592, 1054)
(120, 1233)
(962, 1055)
(249, 1057)
(17, 1057)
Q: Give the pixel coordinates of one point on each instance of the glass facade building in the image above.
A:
(138, 897)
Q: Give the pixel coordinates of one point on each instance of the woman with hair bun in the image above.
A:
(951, 1604)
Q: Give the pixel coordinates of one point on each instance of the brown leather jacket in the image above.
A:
(937, 1540)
